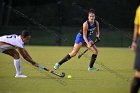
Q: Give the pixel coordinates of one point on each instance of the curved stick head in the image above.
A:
(63, 74)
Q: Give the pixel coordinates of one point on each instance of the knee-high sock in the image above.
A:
(66, 58)
(92, 61)
(17, 64)
(135, 85)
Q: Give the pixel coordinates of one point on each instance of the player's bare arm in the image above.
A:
(136, 27)
(97, 29)
(26, 56)
(85, 28)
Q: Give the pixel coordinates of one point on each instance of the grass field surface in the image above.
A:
(115, 74)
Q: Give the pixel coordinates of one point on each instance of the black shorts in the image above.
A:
(137, 57)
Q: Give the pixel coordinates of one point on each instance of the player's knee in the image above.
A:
(95, 52)
(16, 56)
(73, 54)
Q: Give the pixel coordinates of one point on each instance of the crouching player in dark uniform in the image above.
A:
(136, 48)
(83, 36)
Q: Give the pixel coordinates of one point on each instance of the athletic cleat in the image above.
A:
(92, 69)
(56, 66)
(20, 76)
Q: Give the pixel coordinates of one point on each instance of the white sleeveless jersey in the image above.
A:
(13, 39)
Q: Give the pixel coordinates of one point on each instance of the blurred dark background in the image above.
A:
(56, 22)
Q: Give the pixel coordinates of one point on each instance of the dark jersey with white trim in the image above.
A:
(91, 28)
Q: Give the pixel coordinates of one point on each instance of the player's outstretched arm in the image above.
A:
(135, 35)
(27, 57)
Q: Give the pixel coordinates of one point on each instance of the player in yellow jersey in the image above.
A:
(136, 48)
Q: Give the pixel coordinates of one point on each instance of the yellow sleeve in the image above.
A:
(137, 16)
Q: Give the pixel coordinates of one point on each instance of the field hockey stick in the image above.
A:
(53, 72)
(80, 55)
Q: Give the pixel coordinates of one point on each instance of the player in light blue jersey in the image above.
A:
(89, 26)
